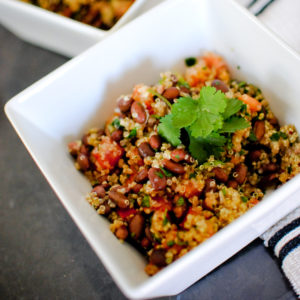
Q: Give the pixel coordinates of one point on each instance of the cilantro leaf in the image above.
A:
(208, 122)
(214, 139)
(197, 150)
(168, 131)
(233, 106)
(212, 101)
(233, 124)
(184, 112)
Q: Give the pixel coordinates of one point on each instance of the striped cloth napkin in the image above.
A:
(283, 18)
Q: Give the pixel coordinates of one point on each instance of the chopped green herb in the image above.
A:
(182, 243)
(161, 97)
(159, 174)
(190, 61)
(155, 116)
(182, 82)
(166, 172)
(224, 191)
(244, 199)
(252, 137)
(277, 135)
(132, 234)
(180, 202)
(94, 183)
(132, 133)
(165, 221)
(244, 108)
(242, 152)
(229, 144)
(157, 239)
(238, 67)
(242, 84)
(193, 175)
(213, 163)
(170, 243)
(177, 156)
(116, 123)
(146, 201)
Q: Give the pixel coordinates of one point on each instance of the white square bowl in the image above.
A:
(58, 33)
(82, 94)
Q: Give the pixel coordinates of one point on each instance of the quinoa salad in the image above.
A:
(179, 160)
(98, 13)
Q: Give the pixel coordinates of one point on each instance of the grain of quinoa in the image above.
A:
(157, 196)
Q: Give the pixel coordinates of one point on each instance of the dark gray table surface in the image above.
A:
(42, 253)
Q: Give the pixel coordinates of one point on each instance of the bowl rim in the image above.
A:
(151, 282)
(55, 18)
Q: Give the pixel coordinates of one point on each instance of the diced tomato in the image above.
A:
(252, 202)
(141, 93)
(125, 213)
(107, 154)
(190, 187)
(160, 203)
(134, 157)
(213, 60)
(253, 104)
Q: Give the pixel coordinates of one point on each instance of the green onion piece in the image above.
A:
(244, 199)
(170, 243)
(155, 116)
(161, 97)
(193, 175)
(116, 123)
(190, 61)
(275, 137)
(242, 84)
(165, 221)
(132, 133)
(166, 172)
(283, 135)
(252, 137)
(146, 201)
(180, 202)
(159, 174)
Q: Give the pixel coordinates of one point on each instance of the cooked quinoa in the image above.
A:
(167, 184)
(98, 13)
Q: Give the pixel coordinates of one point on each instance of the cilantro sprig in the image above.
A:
(205, 119)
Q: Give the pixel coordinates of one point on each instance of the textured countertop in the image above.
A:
(42, 253)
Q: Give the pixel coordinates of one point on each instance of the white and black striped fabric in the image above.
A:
(257, 6)
(281, 16)
(284, 240)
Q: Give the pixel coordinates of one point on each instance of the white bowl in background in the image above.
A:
(58, 33)
(82, 94)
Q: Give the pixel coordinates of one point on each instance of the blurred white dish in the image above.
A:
(55, 32)
(82, 94)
